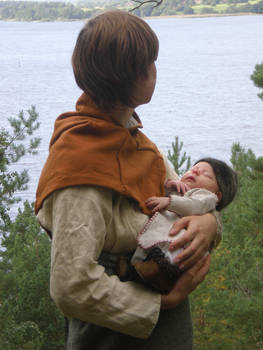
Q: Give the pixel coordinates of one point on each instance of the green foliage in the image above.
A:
(207, 9)
(12, 148)
(226, 307)
(178, 159)
(25, 336)
(257, 75)
(188, 10)
(28, 317)
(175, 7)
(210, 2)
(52, 11)
(45, 11)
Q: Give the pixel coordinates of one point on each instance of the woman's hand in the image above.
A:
(188, 281)
(200, 233)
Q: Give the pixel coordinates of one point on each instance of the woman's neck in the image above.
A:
(122, 114)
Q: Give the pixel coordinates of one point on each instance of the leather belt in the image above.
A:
(116, 264)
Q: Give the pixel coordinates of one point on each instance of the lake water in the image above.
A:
(204, 93)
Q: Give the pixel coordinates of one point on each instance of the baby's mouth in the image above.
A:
(191, 178)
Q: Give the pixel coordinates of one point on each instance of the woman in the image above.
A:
(91, 198)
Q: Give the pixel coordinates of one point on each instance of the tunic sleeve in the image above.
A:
(78, 218)
(194, 202)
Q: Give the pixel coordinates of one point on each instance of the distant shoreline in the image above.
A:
(207, 15)
(203, 15)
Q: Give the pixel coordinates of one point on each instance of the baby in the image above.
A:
(210, 184)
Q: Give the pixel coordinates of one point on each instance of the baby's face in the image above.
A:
(201, 175)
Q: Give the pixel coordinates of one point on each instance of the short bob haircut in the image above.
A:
(113, 50)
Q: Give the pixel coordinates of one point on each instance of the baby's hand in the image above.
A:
(157, 203)
(176, 185)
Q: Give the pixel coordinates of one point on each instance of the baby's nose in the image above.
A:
(196, 171)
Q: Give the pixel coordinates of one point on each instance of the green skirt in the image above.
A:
(172, 332)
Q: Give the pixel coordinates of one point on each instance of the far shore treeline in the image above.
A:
(53, 11)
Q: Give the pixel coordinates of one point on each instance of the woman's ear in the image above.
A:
(219, 196)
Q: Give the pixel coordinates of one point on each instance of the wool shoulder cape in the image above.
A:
(88, 147)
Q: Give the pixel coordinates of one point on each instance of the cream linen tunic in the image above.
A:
(84, 221)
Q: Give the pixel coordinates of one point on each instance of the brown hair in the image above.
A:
(112, 51)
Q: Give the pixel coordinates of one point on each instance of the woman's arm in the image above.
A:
(80, 287)
(79, 218)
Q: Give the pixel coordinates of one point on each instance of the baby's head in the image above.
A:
(113, 52)
(215, 176)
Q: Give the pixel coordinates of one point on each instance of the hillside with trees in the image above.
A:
(40, 11)
(201, 7)
(52, 11)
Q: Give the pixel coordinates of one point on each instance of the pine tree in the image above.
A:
(226, 306)
(28, 318)
(257, 78)
(177, 158)
(12, 148)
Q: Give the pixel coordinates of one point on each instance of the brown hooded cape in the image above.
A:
(89, 148)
